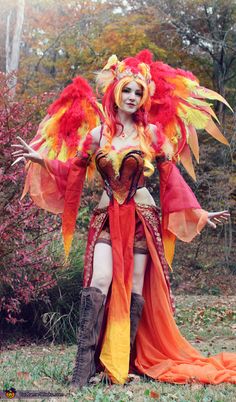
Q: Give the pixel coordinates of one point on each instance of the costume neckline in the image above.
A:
(126, 149)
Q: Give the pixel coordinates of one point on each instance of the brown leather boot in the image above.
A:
(91, 317)
(136, 308)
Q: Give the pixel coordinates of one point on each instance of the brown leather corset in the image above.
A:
(124, 185)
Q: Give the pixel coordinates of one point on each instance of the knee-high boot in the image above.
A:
(91, 317)
(136, 308)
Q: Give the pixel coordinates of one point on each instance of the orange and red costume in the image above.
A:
(161, 351)
(176, 103)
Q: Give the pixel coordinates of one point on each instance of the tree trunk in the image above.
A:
(13, 47)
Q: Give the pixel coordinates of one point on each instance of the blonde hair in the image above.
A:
(143, 131)
(145, 100)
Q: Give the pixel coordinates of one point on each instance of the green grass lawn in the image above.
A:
(207, 321)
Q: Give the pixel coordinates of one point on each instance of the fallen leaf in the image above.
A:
(23, 375)
(36, 384)
(154, 395)
(199, 339)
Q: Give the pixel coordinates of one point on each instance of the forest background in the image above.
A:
(43, 45)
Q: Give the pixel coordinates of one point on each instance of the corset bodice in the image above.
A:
(122, 173)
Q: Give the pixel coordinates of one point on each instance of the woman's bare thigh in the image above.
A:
(140, 263)
(102, 267)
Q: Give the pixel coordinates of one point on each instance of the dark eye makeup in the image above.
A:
(128, 90)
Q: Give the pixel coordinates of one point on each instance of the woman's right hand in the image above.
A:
(24, 151)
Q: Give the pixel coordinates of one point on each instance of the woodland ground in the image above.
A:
(207, 321)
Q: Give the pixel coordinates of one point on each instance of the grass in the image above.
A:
(208, 321)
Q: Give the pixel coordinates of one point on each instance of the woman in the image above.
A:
(125, 273)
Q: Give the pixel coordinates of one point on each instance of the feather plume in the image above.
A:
(69, 120)
(181, 106)
(104, 78)
(65, 131)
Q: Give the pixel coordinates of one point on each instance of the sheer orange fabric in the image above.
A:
(162, 352)
(43, 189)
(182, 215)
(58, 188)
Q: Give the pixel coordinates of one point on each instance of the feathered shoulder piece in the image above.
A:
(63, 131)
(180, 105)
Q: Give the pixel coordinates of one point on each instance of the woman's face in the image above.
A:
(131, 96)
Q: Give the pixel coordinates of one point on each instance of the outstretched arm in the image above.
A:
(47, 180)
(182, 215)
(55, 185)
(26, 152)
(216, 218)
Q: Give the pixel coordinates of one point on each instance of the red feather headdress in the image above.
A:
(178, 103)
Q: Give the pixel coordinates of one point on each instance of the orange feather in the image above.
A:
(186, 160)
(193, 142)
(213, 130)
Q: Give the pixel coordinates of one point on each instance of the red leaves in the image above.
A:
(26, 269)
(154, 395)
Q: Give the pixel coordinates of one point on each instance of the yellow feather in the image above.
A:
(205, 105)
(197, 118)
(50, 126)
(197, 102)
(52, 154)
(49, 144)
(47, 151)
(83, 130)
(111, 62)
(191, 85)
(209, 94)
(63, 154)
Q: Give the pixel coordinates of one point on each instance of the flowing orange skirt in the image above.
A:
(161, 351)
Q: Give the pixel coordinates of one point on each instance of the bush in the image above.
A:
(27, 271)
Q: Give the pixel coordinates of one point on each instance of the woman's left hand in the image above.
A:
(216, 218)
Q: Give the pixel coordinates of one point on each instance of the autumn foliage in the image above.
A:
(26, 269)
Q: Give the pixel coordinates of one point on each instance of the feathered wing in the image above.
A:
(181, 106)
(69, 119)
(64, 131)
